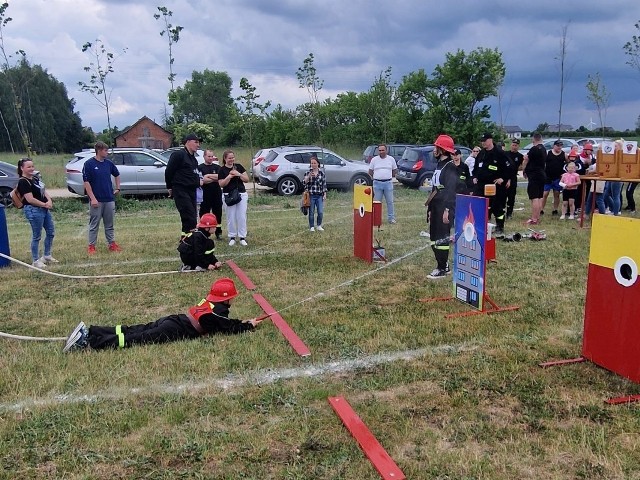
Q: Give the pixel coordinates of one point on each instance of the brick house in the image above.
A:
(145, 133)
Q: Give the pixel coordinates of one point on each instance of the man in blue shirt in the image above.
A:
(96, 174)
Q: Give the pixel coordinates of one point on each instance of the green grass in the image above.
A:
(474, 404)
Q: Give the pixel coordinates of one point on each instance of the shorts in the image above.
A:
(535, 188)
(554, 185)
(567, 194)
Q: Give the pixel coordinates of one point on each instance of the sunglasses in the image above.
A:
(476, 151)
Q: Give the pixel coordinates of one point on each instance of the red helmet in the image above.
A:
(207, 220)
(222, 290)
(587, 146)
(445, 142)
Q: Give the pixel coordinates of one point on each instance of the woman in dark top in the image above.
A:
(233, 176)
(37, 210)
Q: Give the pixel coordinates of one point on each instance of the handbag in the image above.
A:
(306, 199)
(232, 198)
(16, 198)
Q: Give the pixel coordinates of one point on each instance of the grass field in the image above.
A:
(457, 398)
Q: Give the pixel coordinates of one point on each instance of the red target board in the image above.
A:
(611, 335)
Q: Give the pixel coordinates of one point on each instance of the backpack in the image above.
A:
(16, 198)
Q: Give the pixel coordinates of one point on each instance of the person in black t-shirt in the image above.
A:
(233, 176)
(211, 191)
(554, 168)
(533, 170)
(37, 210)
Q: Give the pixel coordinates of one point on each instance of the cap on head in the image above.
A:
(222, 290)
(515, 140)
(486, 136)
(445, 142)
(558, 143)
(191, 136)
(207, 220)
(457, 152)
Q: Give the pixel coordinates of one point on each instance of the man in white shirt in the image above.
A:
(383, 169)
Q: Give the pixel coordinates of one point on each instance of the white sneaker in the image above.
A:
(424, 234)
(312, 229)
(562, 217)
(49, 259)
(39, 264)
(320, 229)
(243, 242)
(572, 217)
(232, 242)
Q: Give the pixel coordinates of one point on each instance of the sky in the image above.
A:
(353, 42)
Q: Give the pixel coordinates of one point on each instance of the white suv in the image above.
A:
(284, 168)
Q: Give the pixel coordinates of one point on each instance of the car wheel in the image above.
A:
(287, 186)
(360, 180)
(424, 181)
(5, 197)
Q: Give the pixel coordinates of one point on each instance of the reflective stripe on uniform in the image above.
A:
(120, 336)
(442, 247)
(210, 251)
(493, 167)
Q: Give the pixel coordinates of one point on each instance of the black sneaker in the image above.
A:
(447, 269)
(437, 273)
(541, 212)
(555, 213)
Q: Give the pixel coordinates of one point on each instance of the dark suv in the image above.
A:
(394, 149)
(417, 165)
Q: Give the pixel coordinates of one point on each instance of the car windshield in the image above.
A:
(271, 156)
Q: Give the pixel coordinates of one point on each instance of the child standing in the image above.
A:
(211, 315)
(197, 247)
(570, 181)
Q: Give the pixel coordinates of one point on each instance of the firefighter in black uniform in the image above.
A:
(516, 161)
(211, 315)
(182, 179)
(441, 204)
(493, 167)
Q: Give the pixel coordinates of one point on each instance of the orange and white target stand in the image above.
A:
(474, 247)
(611, 337)
(367, 214)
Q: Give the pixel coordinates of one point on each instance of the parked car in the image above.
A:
(167, 154)
(548, 145)
(394, 149)
(8, 181)
(417, 165)
(141, 171)
(257, 158)
(595, 142)
(284, 167)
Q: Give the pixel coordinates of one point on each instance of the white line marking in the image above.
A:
(260, 377)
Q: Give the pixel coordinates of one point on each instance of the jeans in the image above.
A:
(599, 203)
(385, 189)
(39, 217)
(105, 211)
(316, 201)
(612, 196)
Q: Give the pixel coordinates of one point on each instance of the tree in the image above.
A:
(308, 78)
(563, 76)
(249, 104)
(206, 98)
(99, 69)
(378, 103)
(599, 96)
(542, 127)
(632, 50)
(15, 85)
(450, 101)
(173, 35)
